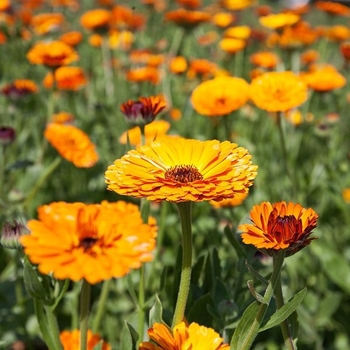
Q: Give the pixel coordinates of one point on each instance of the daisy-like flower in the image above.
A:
(72, 144)
(44, 23)
(70, 340)
(333, 8)
(52, 54)
(141, 74)
(278, 226)
(220, 96)
(143, 111)
(19, 88)
(66, 78)
(182, 171)
(237, 5)
(194, 337)
(72, 38)
(278, 91)
(94, 242)
(96, 20)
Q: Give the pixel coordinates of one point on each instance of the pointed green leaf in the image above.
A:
(156, 312)
(199, 310)
(128, 338)
(255, 294)
(256, 274)
(285, 311)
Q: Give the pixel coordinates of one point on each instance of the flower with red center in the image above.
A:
(281, 225)
(19, 88)
(94, 242)
(143, 111)
(71, 339)
(182, 171)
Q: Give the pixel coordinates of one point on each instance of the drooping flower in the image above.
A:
(94, 242)
(66, 78)
(70, 340)
(278, 91)
(194, 337)
(19, 88)
(220, 96)
(181, 171)
(278, 226)
(72, 144)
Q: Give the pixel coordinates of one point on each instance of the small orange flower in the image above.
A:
(220, 96)
(52, 54)
(278, 91)
(178, 65)
(62, 118)
(191, 4)
(232, 45)
(146, 57)
(346, 194)
(5, 5)
(187, 18)
(72, 38)
(3, 38)
(124, 17)
(72, 144)
(141, 74)
(120, 39)
(208, 38)
(95, 242)
(19, 88)
(237, 5)
(96, 20)
(202, 67)
(345, 51)
(230, 202)
(280, 20)
(44, 23)
(66, 78)
(338, 33)
(309, 56)
(332, 8)
(223, 19)
(238, 32)
(70, 340)
(193, 337)
(264, 59)
(278, 226)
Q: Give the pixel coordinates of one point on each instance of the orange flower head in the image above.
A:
(142, 74)
(182, 171)
(278, 226)
(187, 18)
(190, 4)
(238, 32)
(62, 118)
(309, 56)
(194, 337)
(237, 5)
(220, 96)
(278, 91)
(70, 340)
(264, 59)
(338, 33)
(44, 23)
(143, 111)
(332, 8)
(66, 78)
(120, 39)
(232, 45)
(280, 20)
(202, 67)
(230, 202)
(95, 242)
(19, 88)
(5, 5)
(52, 54)
(345, 50)
(178, 65)
(72, 38)
(96, 20)
(72, 144)
(346, 194)
(223, 19)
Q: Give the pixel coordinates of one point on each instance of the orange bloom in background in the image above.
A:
(95, 242)
(202, 67)
(44, 23)
(294, 116)
(208, 38)
(191, 4)
(5, 5)
(263, 10)
(66, 78)
(70, 340)
(346, 195)
(72, 38)
(3, 38)
(175, 114)
(230, 202)
(143, 111)
(62, 118)
(232, 45)
(309, 56)
(338, 33)
(238, 32)
(220, 96)
(332, 8)
(178, 65)
(146, 57)
(345, 50)
(324, 78)
(95, 40)
(278, 91)
(96, 20)
(19, 88)
(153, 131)
(194, 337)
(280, 20)
(52, 54)
(236, 5)
(120, 39)
(182, 171)
(142, 74)
(223, 19)
(277, 226)
(187, 18)
(72, 144)
(264, 59)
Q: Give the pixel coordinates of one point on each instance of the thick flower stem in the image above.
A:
(288, 339)
(85, 295)
(278, 260)
(101, 306)
(185, 211)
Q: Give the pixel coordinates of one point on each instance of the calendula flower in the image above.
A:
(194, 337)
(141, 74)
(309, 56)
(62, 118)
(191, 4)
(72, 38)
(264, 59)
(220, 96)
(19, 88)
(181, 171)
(346, 194)
(338, 33)
(52, 54)
(232, 45)
(178, 65)
(236, 5)
(96, 20)
(66, 78)
(143, 111)
(94, 242)
(187, 18)
(345, 50)
(202, 67)
(44, 23)
(125, 17)
(278, 91)
(223, 19)
(72, 144)
(332, 8)
(280, 20)
(238, 32)
(278, 226)
(70, 340)
(230, 202)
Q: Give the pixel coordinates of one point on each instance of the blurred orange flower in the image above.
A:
(178, 65)
(5, 5)
(72, 144)
(346, 195)
(279, 20)
(278, 91)
(182, 171)
(96, 20)
(230, 202)
(187, 18)
(44, 23)
(232, 45)
(220, 96)
(66, 78)
(264, 59)
(71, 38)
(122, 40)
(19, 88)
(62, 118)
(3, 38)
(202, 67)
(146, 57)
(124, 17)
(345, 51)
(94, 242)
(52, 54)
(332, 8)
(338, 33)
(141, 74)
(182, 336)
(191, 4)
(278, 226)
(236, 5)
(223, 19)
(309, 56)
(238, 32)
(70, 340)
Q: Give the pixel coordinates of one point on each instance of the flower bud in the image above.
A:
(11, 233)
(7, 135)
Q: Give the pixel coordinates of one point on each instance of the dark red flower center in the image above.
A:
(183, 174)
(87, 243)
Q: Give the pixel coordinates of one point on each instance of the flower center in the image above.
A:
(183, 174)
(286, 227)
(87, 243)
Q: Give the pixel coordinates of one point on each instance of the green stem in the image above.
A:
(141, 302)
(53, 328)
(108, 72)
(2, 168)
(185, 211)
(254, 329)
(85, 296)
(101, 306)
(43, 325)
(287, 336)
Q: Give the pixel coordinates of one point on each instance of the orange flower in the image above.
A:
(238, 32)
(44, 23)
(71, 339)
(232, 45)
(345, 51)
(96, 20)
(191, 4)
(309, 56)
(194, 337)
(182, 171)
(72, 144)
(201, 66)
(146, 57)
(52, 54)
(346, 195)
(338, 33)
(3, 38)
(126, 17)
(208, 38)
(264, 59)
(5, 5)
(120, 39)
(187, 18)
(178, 65)
(71, 38)
(141, 74)
(66, 78)
(278, 91)
(236, 5)
(220, 96)
(223, 19)
(62, 118)
(230, 202)
(280, 20)
(19, 88)
(278, 226)
(94, 242)
(332, 8)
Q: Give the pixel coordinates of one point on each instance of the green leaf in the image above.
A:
(128, 338)
(256, 274)
(156, 312)
(199, 311)
(255, 294)
(285, 311)
(98, 346)
(234, 242)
